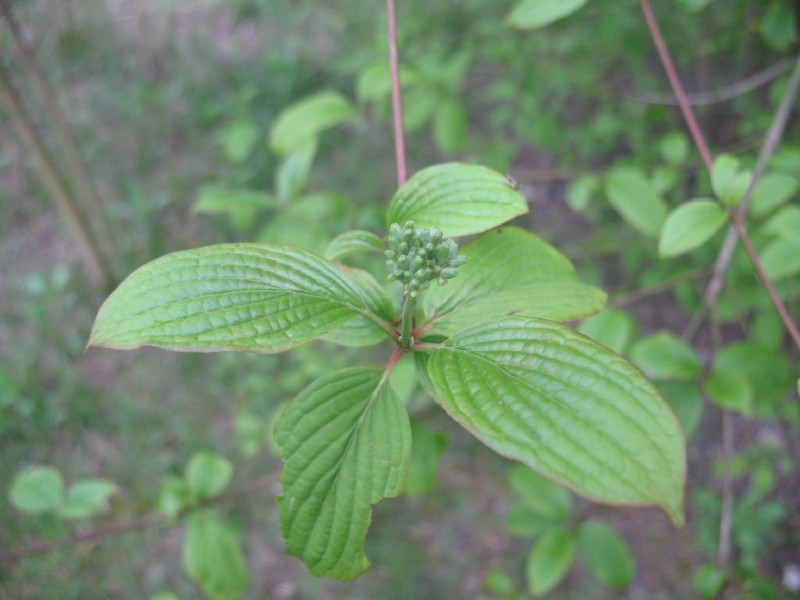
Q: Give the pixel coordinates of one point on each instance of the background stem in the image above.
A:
(397, 101)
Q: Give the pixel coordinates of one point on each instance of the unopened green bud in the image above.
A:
(413, 284)
(403, 248)
(395, 231)
(402, 262)
(416, 263)
(391, 265)
(441, 281)
(442, 254)
(436, 235)
(448, 273)
(458, 261)
(420, 275)
(389, 254)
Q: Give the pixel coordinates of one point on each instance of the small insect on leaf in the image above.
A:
(512, 182)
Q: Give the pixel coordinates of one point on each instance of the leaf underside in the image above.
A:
(262, 298)
(346, 442)
(569, 408)
(511, 271)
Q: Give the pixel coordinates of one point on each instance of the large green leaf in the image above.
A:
(212, 556)
(510, 271)
(538, 392)
(636, 201)
(252, 297)
(689, 225)
(346, 442)
(459, 199)
(300, 123)
(362, 331)
(531, 14)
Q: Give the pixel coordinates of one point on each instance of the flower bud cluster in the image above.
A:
(418, 256)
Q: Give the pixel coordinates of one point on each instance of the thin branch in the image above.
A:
(724, 94)
(677, 86)
(91, 536)
(697, 135)
(63, 199)
(736, 219)
(660, 287)
(768, 148)
(87, 192)
(726, 510)
(397, 100)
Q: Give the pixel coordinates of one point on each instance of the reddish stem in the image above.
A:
(677, 86)
(91, 536)
(736, 219)
(397, 100)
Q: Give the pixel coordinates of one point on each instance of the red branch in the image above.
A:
(397, 101)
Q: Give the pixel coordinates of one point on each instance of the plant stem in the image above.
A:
(87, 192)
(66, 204)
(91, 536)
(397, 100)
(768, 148)
(677, 86)
(736, 219)
(409, 312)
(725, 521)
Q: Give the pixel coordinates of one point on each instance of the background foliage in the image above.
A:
(180, 109)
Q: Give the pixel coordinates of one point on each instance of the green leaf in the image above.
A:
(427, 447)
(781, 258)
(459, 199)
(777, 28)
(708, 581)
(614, 328)
(606, 554)
(664, 355)
(293, 172)
(212, 556)
(686, 401)
(532, 14)
(689, 226)
(692, 6)
(353, 242)
(346, 442)
(523, 521)
(164, 596)
(567, 407)
(240, 205)
(510, 271)
(766, 369)
(544, 497)
(785, 223)
(729, 184)
(375, 83)
(38, 490)
(730, 391)
(635, 199)
(549, 561)
(249, 297)
(450, 127)
(580, 192)
(238, 138)
(361, 331)
(674, 148)
(771, 191)
(86, 498)
(174, 496)
(208, 474)
(498, 583)
(300, 123)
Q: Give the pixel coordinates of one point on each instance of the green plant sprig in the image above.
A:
(415, 257)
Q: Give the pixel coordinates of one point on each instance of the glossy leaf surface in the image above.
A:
(689, 225)
(353, 242)
(361, 331)
(459, 199)
(345, 441)
(538, 392)
(510, 271)
(250, 297)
